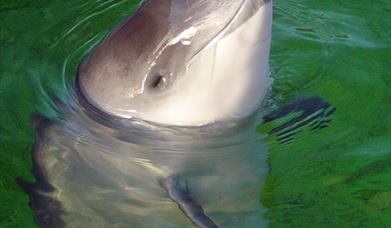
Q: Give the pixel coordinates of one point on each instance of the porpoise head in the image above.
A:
(182, 62)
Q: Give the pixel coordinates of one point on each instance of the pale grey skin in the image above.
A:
(173, 62)
(183, 62)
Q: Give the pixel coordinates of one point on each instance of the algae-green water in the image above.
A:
(339, 176)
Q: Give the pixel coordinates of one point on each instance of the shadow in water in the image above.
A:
(313, 112)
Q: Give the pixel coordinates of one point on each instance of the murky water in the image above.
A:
(337, 175)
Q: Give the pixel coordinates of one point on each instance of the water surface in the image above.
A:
(337, 50)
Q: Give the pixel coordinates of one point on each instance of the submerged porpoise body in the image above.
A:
(156, 135)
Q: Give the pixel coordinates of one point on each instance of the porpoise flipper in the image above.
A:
(314, 112)
(46, 211)
(182, 197)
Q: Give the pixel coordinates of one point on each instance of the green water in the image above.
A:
(339, 176)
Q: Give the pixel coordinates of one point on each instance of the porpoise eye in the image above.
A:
(157, 82)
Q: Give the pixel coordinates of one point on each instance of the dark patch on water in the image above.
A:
(315, 113)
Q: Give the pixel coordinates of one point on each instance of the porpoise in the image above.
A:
(152, 137)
